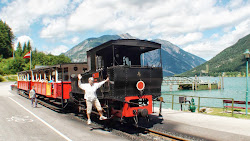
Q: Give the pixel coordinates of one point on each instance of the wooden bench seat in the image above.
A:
(235, 102)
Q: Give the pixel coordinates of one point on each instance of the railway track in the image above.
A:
(42, 102)
(139, 133)
(164, 135)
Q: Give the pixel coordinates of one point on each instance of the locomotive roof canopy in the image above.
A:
(134, 45)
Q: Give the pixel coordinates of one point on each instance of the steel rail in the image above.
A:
(45, 104)
(165, 135)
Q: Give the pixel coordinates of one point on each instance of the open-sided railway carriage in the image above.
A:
(132, 87)
(58, 90)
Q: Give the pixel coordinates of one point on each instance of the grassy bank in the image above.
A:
(8, 78)
(238, 113)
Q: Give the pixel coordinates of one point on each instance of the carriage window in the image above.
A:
(42, 76)
(59, 74)
(65, 74)
(47, 75)
(34, 76)
(29, 78)
(53, 75)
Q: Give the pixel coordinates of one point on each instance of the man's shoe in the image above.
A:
(102, 118)
(89, 122)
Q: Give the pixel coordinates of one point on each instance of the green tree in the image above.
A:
(29, 46)
(19, 50)
(12, 66)
(6, 40)
(16, 65)
(24, 49)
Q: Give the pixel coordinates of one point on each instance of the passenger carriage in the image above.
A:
(40, 77)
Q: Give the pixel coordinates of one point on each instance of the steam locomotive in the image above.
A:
(128, 95)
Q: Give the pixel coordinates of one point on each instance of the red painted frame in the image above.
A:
(40, 88)
(128, 111)
(24, 85)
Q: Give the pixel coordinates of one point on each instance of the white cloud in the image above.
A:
(210, 48)
(167, 17)
(4, 1)
(184, 39)
(54, 29)
(21, 14)
(22, 40)
(204, 49)
(235, 3)
(59, 49)
(74, 40)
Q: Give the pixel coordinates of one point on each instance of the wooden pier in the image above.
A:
(188, 83)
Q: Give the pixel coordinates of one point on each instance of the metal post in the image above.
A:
(199, 104)
(247, 86)
(195, 82)
(172, 102)
(232, 107)
(161, 100)
(62, 74)
(222, 82)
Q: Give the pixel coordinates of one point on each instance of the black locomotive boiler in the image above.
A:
(132, 87)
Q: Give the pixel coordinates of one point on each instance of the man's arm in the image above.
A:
(80, 83)
(102, 82)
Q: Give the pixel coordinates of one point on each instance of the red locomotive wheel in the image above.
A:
(140, 85)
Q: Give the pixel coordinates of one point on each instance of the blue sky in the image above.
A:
(201, 27)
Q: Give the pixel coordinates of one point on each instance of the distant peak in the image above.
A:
(127, 36)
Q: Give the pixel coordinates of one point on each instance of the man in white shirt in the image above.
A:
(91, 97)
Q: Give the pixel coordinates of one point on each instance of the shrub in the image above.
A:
(1, 78)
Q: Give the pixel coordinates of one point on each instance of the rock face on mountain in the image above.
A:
(174, 59)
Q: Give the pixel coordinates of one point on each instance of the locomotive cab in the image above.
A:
(123, 61)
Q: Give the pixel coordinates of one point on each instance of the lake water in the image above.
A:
(234, 87)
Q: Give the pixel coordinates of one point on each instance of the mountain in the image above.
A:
(174, 59)
(230, 59)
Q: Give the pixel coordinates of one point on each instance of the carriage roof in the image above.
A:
(54, 66)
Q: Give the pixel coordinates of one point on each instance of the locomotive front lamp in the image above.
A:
(247, 55)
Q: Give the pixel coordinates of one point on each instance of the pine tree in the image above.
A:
(24, 49)
(29, 46)
(19, 50)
